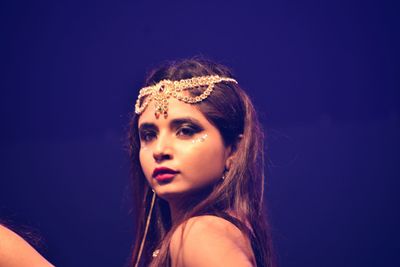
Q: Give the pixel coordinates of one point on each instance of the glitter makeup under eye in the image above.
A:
(200, 139)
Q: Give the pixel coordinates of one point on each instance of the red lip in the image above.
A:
(164, 174)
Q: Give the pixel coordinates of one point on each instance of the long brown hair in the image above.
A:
(230, 110)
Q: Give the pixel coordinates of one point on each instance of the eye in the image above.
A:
(187, 131)
(147, 136)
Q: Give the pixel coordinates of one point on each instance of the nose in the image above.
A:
(163, 149)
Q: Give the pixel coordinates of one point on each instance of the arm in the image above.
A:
(210, 241)
(16, 252)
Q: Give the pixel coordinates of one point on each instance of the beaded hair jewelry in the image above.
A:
(164, 89)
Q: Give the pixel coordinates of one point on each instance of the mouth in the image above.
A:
(164, 174)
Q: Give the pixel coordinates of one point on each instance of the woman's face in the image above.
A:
(181, 153)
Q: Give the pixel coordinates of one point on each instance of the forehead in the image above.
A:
(176, 109)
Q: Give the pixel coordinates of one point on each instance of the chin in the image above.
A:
(183, 194)
(169, 194)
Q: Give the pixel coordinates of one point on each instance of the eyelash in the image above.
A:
(187, 131)
(183, 131)
(147, 136)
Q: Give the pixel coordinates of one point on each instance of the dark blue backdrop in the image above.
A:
(322, 74)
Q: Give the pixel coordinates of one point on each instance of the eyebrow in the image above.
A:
(173, 124)
(147, 126)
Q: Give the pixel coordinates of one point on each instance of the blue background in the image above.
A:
(323, 76)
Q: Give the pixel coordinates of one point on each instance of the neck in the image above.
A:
(180, 206)
(177, 212)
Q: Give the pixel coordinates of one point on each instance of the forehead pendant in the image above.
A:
(165, 89)
(161, 100)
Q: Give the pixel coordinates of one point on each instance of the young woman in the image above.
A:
(196, 149)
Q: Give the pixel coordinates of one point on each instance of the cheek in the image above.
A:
(145, 161)
(203, 162)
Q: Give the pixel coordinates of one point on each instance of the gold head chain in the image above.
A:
(165, 89)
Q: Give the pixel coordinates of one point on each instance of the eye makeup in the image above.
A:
(201, 139)
(183, 128)
(147, 130)
(187, 122)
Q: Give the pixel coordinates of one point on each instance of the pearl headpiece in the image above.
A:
(164, 89)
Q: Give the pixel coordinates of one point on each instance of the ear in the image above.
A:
(228, 163)
(232, 149)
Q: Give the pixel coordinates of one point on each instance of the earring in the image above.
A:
(153, 200)
(224, 174)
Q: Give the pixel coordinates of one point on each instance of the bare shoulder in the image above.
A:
(210, 241)
(15, 251)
